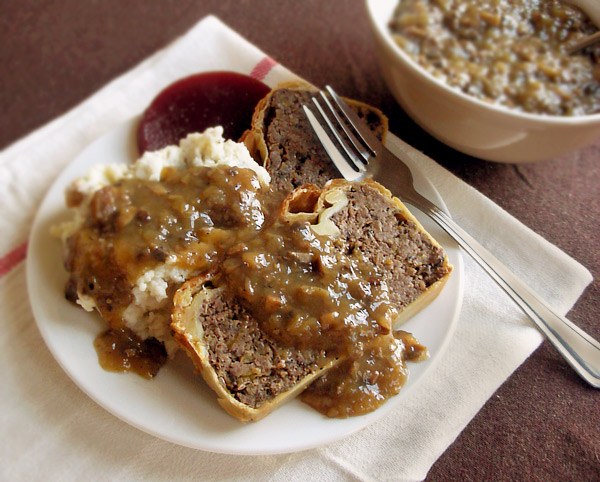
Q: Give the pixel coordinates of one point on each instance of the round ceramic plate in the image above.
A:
(176, 405)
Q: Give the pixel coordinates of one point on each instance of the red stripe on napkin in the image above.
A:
(12, 258)
(260, 71)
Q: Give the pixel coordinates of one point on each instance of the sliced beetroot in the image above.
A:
(194, 103)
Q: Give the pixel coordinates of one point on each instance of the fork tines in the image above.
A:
(359, 127)
(340, 134)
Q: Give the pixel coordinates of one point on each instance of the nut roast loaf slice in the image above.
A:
(282, 140)
(365, 218)
(251, 373)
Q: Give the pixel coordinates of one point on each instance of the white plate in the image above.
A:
(176, 405)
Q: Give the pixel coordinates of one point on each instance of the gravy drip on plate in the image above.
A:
(123, 351)
(359, 385)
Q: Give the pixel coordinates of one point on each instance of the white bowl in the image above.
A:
(490, 132)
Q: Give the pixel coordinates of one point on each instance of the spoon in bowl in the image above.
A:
(583, 43)
(592, 9)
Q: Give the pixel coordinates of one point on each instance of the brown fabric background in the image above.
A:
(544, 422)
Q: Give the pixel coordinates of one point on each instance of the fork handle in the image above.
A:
(580, 350)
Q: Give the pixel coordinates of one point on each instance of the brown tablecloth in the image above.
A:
(543, 423)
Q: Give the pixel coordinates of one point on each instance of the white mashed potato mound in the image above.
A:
(148, 315)
(145, 315)
(208, 148)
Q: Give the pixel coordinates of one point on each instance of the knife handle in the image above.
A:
(578, 348)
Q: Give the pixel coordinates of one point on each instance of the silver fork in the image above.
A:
(360, 155)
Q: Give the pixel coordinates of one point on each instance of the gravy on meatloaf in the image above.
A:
(307, 291)
(136, 225)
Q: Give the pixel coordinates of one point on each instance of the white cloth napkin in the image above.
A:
(51, 430)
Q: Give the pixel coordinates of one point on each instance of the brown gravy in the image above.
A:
(306, 292)
(360, 385)
(303, 290)
(123, 351)
(135, 225)
(510, 52)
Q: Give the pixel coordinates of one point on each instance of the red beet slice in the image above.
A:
(194, 103)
